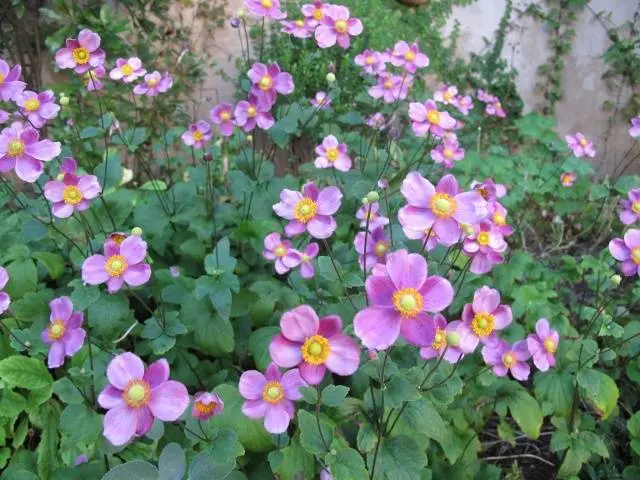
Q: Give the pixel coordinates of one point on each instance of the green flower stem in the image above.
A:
(324, 441)
(335, 267)
(364, 256)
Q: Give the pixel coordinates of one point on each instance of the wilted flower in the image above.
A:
(464, 104)
(64, 332)
(38, 107)
(485, 316)
(377, 121)
(337, 27)
(543, 345)
(197, 135)
(489, 189)
(426, 118)
(10, 84)
(495, 109)
(297, 28)
(628, 252)
(503, 358)
(5, 299)
(321, 100)
(82, 54)
(580, 145)
(568, 179)
(91, 79)
(634, 131)
(206, 405)
(372, 210)
(332, 154)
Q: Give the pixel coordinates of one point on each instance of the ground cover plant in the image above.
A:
(375, 279)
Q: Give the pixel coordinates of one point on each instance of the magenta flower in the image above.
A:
(390, 87)
(305, 260)
(503, 358)
(271, 396)
(399, 301)
(269, 81)
(135, 397)
(38, 107)
(489, 189)
(426, 118)
(314, 13)
(453, 340)
(321, 100)
(568, 179)
(498, 215)
(485, 245)
(337, 27)
(280, 251)
(310, 210)
(627, 251)
(127, 70)
(441, 208)
(5, 299)
(408, 56)
(297, 28)
(252, 112)
(634, 131)
(377, 247)
(21, 149)
(447, 153)
(375, 219)
(64, 333)
(332, 154)
(314, 345)
(377, 121)
(198, 134)
(446, 94)
(486, 97)
(91, 79)
(222, 115)
(154, 84)
(81, 54)
(485, 316)
(10, 84)
(543, 345)
(371, 62)
(206, 405)
(265, 8)
(495, 109)
(580, 145)
(73, 192)
(121, 263)
(463, 104)
(630, 209)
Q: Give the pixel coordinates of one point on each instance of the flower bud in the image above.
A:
(27, 344)
(616, 279)
(249, 138)
(137, 231)
(235, 23)
(373, 196)
(365, 201)
(372, 354)
(331, 77)
(207, 157)
(64, 100)
(240, 13)
(331, 68)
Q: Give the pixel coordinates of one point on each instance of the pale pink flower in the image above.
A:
(265, 8)
(82, 54)
(127, 70)
(408, 56)
(222, 115)
(332, 154)
(297, 28)
(38, 108)
(447, 153)
(580, 145)
(426, 118)
(371, 62)
(446, 94)
(337, 26)
(154, 84)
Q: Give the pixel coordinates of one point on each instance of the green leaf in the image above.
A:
(347, 464)
(80, 424)
(67, 391)
(218, 460)
(114, 172)
(83, 295)
(53, 262)
(218, 289)
(326, 269)
(633, 425)
(137, 469)
(600, 389)
(25, 372)
(314, 438)
(350, 118)
(526, 411)
(106, 314)
(259, 341)
(421, 417)
(555, 388)
(292, 462)
(400, 458)
(367, 438)
(47, 451)
(212, 333)
(23, 278)
(33, 307)
(309, 395)
(11, 403)
(153, 185)
(220, 259)
(172, 462)
(400, 390)
(334, 395)
(90, 132)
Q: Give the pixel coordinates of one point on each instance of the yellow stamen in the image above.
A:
(126, 69)
(448, 153)
(252, 112)
(440, 340)
(56, 329)
(381, 248)
(408, 302)
(499, 219)
(635, 255)
(225, 116)
(272, 392)
(31, 105)
(443, 205)
(280, 251)
(317, 14)
(205, 409)
(80, 55)
(265, 83)
(549, 345)
(116, 265)
(305, 210)
(483, 238)
(583, 141)
(316, 350)
(332, 154)
(635, 207)
(388, 84)
(299, 23)
(198, 136)
(483, 324)
(118, 238)
(266, 3)
(341, 26)
(152, 82)
(72, 195)
(16, 148)
(2, 77)
(409, 55)
(137, 393)
(369, 60)
(509, 359)
(448, 96)
(433, 116)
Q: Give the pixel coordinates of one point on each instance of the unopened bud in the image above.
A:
(137, 231)
(235, 22)
(616, 279)
(331, 77)
(64, 100)
(365, 201)
(249, 138)
(373, 196)
(383, 184)
(372, 354)
(27, 344)
(240, 13)
(207, 157)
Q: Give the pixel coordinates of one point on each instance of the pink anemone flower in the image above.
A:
(567, 179)
(10, 84)
(426, 118)
(332, 154)
(297, 28)
(38, 108)
(485, 316)
(265, 8)
(464, 104)
(543, 345)
(127, 70)
(378, 247)
(305, 260)
(447, 153)
(82, 54)
(489, 189)
(252, 112)
(314, 345)
(453, 341)
(580, 145)
(377, 121)
(269, 81)
(198, 134)
(400, 295)
(494, 109)
(135, 397)
(627, 251)
(321, 100)
(372, 210)
(91, 79)
(64, 332)
(120, 264)
(271, 396)
(440, 208)
(485, 246)
(337, 26)
(314, 13)
(498, 215)
(310, 210)
(5, 299)
(630, 209)
(408, 56)
(21, 149)
(446, 94)
(72, 193)
(222, 115)
(154, 84)
(504, 358)
(280, 251)
(371, 62)
(206, 405)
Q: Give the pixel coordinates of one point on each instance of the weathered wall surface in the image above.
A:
(525, 48)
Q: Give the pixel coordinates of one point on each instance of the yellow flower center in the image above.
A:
(204, 409)
(388, 84)
(272, 392)
(266, 3)
(433, 116)
(484, 192)
(566, 179)
(251, 112)
(16, 148)
(409, 55)
(483, 324)
(80, 55)
(332, 154)
(508, 359)
(408, 302)
(126, 69)
(340, 26)
(447, 95)
(305, 258)
(198, 136)
(72, 195)
(56, 329)
(584, 142)
(453, 339)
(317, 14)
(440, 340)
(499, 219)
(118, 238)
(443, 205)
(549, 345)
(299, 23)
(305, 210)
(483, 238)
(498, 105)
(265, 83)
(2, 77)
(369, 60)
(635, 255)
(152, 82)
(225, 116)
(280, 251)
(448, 153)
(315, 350)
(381, 248)
(31, 105)
(116, 265)
(137, 393)
(635, 207)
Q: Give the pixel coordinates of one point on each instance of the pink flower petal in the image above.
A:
(619, 249)
(329, 326)
(284, 353)
(329, 200)
(56, 355)
(120, 425)
(299, 323)
(73, 341)
(251, 384)
(61, 308)
(255, 408)
(406, 270)
(124, 368)
(312, 374)
(377, 328)
(277, 418)
(157, 373)
(344, 356)
(136, 275)
(110, 398)
(417, 190)
(169, 400)
(418, 331)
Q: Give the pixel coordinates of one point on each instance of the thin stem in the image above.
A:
(324, 442)
(335, 267)
(93, 386)
(364, 254)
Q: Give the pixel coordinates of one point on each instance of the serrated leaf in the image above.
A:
(314, 438)
(25, 372)
(599, 389)
(334, 395)
(347, 464)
